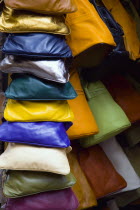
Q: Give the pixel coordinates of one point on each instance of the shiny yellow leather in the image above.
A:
(18, 21)
(26, 111)
(128, 25)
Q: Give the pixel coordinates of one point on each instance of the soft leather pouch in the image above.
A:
(100, 172)
(53, 7)
(39, 45)
(84, 123)
(20, 21)
(24, 183)
(26, 111)
(63, 199)
(53, 70)
(25, 87)
(89, 35)
(33, 158)
(109, 116)
(46, 134)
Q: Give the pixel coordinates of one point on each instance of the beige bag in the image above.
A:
(33, 158)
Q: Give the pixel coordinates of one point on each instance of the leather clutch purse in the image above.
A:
(38, 45)
(53, 70)
(84, 123)
(26, 111)
(53, 7)
(24, 183)
(32, 158)
(36, 133)
(63, 199)
(20, 21)
(89, 35)
(101, 174)
(31, 88)
(109, 116)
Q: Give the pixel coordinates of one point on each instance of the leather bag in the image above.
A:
(36, 133)
(34, 158)
(84, 123)
(49, 45)
(26, 111)
(24, 183)
(53, 7)
(31, 88)
(89, 35)
(109, 116)
(63, 199)
(20, 21)
(100, 172)
(53, 70)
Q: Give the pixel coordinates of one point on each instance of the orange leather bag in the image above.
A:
(90, 39)
(101, 174)
(125, 95)
(84, 123)
(128, 25)
(82, 189)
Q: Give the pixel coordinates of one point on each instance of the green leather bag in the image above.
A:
(109, 116)
(25, 87)
(24, 183)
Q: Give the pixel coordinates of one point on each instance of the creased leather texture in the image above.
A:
(100, 172)
(19, 21)
(24, 183)
(26, 111)
(25, 87)
(82, 189)
(53, 7)
(53, 70)
(63, 199)
(84, 123)
(46, 134)
(88, 31)
(128, 25)
(125, 95)
(33, 158)
(49, 45)
(109, 116)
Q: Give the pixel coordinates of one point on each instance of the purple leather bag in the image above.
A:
(55, 200)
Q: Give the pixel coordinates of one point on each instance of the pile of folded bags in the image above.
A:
(52, 100)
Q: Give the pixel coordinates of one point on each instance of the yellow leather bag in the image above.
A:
(20, 21)
(84, 123)
(26, 111)
(128, 25)
(90, 39)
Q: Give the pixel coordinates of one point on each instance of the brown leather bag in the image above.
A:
(101, 174)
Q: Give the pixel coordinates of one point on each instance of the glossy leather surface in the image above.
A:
(34, 111)
(53, 70)
(100, 172)
(24, 183)
(56, 7)
(19, 21)
(63, 199)
(25, 87)
(36, 133)
(33, 158)
(50, 45)
(109, 116)
(84, 123)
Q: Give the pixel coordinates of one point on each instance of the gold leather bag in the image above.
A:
(20, 21)
(34, 158)
(84, 123)
(26, 111)
(54, 7)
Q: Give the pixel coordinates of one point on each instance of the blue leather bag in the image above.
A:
(39, 45)
(46, 134)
